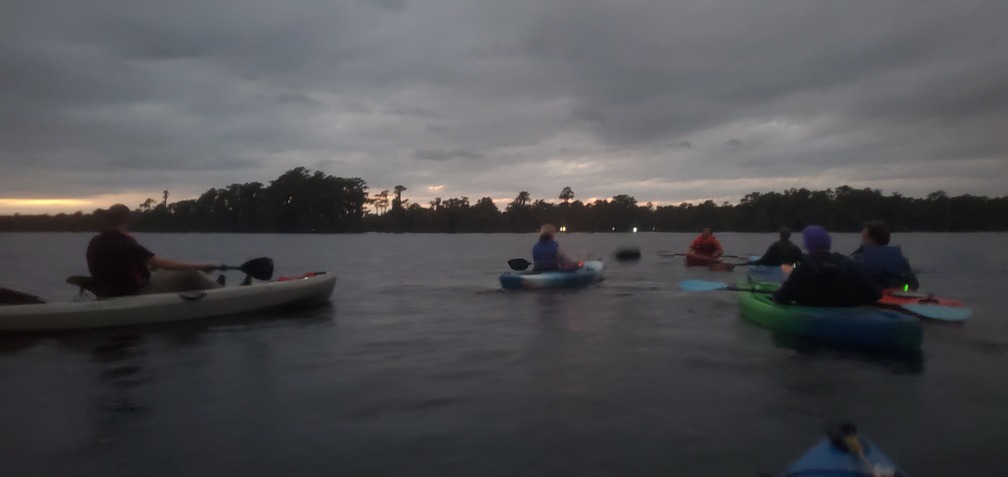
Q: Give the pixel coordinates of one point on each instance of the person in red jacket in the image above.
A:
(706, 244)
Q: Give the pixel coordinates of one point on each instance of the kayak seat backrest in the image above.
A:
(87, 283)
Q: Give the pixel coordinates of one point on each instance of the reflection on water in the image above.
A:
(422, 368)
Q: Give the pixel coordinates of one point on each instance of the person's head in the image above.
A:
(707, 232)
(785, 233)
(547, 232)
(117, 216)
(816, 239)
(875, 232)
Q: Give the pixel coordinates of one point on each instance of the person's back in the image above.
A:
(544, 254)
(118, 262)
(780, 252)
(823, 278)
(886, 266)
(827, 279)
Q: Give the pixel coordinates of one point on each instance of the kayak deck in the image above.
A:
(166, 307)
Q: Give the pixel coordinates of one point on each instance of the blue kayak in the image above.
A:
(828, 460)
(589, 273)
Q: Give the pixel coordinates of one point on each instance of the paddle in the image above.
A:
(924, 310)
(259, 268)
(725, 266)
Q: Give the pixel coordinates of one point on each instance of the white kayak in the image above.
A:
(590, 272)
(163, 307)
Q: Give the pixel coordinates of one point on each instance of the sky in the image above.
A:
(667, 101)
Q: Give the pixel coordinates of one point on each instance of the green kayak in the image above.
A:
(860, 327)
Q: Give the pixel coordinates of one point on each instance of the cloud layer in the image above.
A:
(665, 101)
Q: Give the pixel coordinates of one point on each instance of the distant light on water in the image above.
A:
(563, 228)
(635, 230)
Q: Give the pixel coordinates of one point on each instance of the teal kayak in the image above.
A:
(844, 456)
(590, 272)
(860, 327)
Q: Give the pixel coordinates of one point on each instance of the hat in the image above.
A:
(816, 238)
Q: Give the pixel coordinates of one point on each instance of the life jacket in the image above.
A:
(545, 255)
(886, 266)
(706, 245)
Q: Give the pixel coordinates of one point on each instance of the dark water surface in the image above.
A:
(422, 366)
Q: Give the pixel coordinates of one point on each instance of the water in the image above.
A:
(422, 366)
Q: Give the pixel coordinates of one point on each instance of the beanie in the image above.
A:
(816, 239)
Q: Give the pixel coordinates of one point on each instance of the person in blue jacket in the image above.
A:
(825, 278)
(884, 264)
(546, 253)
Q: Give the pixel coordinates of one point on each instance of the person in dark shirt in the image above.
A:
(824, 278)
(781, 251)
(124, 267)
(884, 264)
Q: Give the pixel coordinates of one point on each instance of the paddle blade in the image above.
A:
(259, 268)
(938, 312)
(518, 264)
(701, 285)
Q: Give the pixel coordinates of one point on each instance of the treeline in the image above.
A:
(302, 201)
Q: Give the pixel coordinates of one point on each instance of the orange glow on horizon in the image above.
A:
(42, 203)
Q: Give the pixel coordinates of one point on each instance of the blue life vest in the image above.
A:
(886, 265)
(545, 256)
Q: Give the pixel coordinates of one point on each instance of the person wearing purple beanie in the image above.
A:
(824, 278)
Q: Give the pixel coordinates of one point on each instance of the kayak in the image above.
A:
(698, 260)
(925, 305)
(826, 459)
(860, 327)
(589, 273)
(309, 289)
(766, 273)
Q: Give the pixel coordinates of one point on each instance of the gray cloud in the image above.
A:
(189, 95)
(428, 155)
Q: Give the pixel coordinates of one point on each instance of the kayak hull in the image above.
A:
(166, 307)
(858, 327)
(826, 460)
(698, 260)
(590, 273)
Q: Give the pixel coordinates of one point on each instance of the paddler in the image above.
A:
(825, 278)
(546, 253)
(124, 267)
(883, 263)
(706, 244)
(780, 252)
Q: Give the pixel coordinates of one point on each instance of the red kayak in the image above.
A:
(698, 260)
(897, 297)
(925, 305)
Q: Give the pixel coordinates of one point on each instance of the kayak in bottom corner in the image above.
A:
(590, 272)
(846, 454)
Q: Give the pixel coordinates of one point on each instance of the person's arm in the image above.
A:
(720, 251)
(692, 246)
(767, 256)
(564, 261)
(156, 262)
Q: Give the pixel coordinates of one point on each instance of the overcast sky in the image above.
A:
(666, 101)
